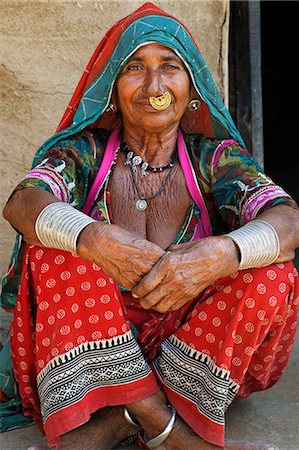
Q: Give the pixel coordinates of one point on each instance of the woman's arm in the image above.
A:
(123, 255)
(240, 191)
(285, 221)
(23, 208)
(187, 269)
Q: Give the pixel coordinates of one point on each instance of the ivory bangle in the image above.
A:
(58, 225)
(258, 244)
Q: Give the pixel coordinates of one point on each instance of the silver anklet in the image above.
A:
(59, 224)
(158, 440)
(130, 420)
(258, 243)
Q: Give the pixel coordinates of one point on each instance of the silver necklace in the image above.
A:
(141, 203)
(134, 161)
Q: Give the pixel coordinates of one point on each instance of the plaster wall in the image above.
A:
(45, 46)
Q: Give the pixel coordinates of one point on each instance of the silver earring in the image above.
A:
(194, 104)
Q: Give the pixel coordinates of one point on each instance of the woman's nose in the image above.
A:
(153, 85)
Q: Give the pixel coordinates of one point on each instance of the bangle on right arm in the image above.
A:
(59, 224)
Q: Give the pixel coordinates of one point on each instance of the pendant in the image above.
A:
(136, 160)
(143, 169)
(141, 204)
(129, 157)
(160, 102)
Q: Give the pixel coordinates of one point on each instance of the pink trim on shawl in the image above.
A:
(110, 151)
(205, 229)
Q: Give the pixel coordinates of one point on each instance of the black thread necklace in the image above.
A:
(141, 203)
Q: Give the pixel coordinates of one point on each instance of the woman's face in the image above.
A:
(152, 70)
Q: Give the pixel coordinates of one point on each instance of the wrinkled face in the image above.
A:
(152, 70)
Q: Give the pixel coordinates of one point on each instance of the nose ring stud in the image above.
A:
(160, 102)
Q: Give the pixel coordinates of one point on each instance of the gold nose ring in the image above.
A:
(161, 102)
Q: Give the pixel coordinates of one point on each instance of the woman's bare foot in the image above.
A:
(153, 415)
(102, 432)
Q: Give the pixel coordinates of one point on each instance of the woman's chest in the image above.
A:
(166, 196)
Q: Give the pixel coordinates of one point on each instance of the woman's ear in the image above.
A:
(194, 100)
(193, 95)
(114, 101)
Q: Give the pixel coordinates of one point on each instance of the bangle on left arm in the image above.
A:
(258, 244)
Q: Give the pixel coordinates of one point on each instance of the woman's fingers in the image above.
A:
(158, 303)
(178, 277)
(159, 282)
(148, 283)
(164, 299)
(121, 254)
(170, 296)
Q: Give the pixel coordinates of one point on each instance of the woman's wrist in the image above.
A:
(229, 252)
(89, 240)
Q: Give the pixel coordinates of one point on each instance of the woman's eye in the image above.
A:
(171, 67)
(134, 67)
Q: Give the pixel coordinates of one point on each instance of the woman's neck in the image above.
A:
(155, 148)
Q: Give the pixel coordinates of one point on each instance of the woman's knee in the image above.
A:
(270, 288)
(56, 273)
(261, 291)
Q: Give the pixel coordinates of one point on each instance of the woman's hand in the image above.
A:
(121, 254)
(185, 271)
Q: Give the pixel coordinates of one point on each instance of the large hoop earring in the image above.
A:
(194, 104)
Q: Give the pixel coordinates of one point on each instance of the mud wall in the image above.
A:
(45, 46)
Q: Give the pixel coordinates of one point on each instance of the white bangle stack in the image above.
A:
(59, 225)
(258, 244)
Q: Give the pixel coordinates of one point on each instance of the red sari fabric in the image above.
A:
(74, 351)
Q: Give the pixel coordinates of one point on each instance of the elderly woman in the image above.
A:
(155, 282)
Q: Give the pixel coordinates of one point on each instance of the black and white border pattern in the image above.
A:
(67, 378)
(195, 376)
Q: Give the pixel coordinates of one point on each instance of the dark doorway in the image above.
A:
(280, 85)
(263, 62)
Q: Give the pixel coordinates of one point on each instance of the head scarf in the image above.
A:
(89, 105)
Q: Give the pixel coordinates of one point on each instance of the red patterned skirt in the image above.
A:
(78, 344)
